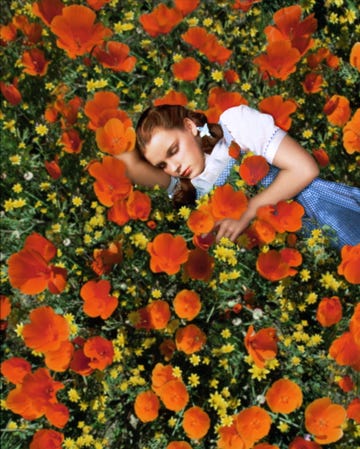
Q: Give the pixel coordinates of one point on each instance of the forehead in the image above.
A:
(161, 140)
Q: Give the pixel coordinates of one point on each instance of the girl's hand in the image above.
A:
(230, 228)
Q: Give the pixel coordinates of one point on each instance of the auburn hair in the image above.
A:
(172, 117)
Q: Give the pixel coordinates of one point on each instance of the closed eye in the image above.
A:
(173, 149)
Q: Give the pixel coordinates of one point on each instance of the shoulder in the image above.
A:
(244, 114)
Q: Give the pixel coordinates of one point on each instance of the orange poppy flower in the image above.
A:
(280, 59)
(312, 83)
(200, 265)
(80, 363)
(100, 351)
(118, 213)
(59, 360)
(252, 424)
(286, 216)
(244, 5)
(228, 203)
(351, 134)
(101, 108)
(71, 141)
(15, 369)
(97, 4)
(353, 410)
(187, 304)
(280, 110)
(115, 56)
(159, 314)
(34, 62)
(200, 220)
(47, 439)
(275, 265)
(31, 30)
(190, 339)
(355, 55)
(111, 184)
(147, 406)
(161, 374)
(167, 253)
(172, 97)
(161, 20)
(260, 232)
(321, 156)
(301, 443)
(69, 110)
(97, 299)
(289, 26)
(8, 33)
(219, 100)
(46, 331)
(11, 92)
(253, 169)
(178, 445)
(174, 395)
(234, 150)
(105, 259)
(196, 423)
(230, 438)
(350, 263)
(186, 6)
(167, 348)
(46, 10)
(53, 168)
(77, 31)
(261, 345)
(265, 446)
(114, 137)
(188, 69)
(323, 420)
(354, 325)
(5, 307)
(346, 384)
(284, 396)
(138, 205)
(345, 351)
(329, 311)
(337, 109)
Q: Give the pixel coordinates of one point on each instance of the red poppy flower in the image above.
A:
(355, 56)
(77, 31)
(147, 406)
(200, 265)
(11, 92)
(111, 184)
(34, 62)
(351, 134)
(31, 30)
(188, 69)
(172, 97)
(196, 423)
(337, 109)
(167, 348)
(97, 299)
(253, 169)
(97, 4)
(46, 331)
(190, 339)
(105, 259)
(161, 20)
(353, 410)
(29, 269)
(5, 307)
(138, 205)
(47, 439)
(15, 369)
(167, 253)
(286, 216)
(329, 311)
(100, 351)
(186, 6)
(321, 156)
(350, 263)
(275, 265)
(261, 345)
(115, 56)
(244, 5)
(345, 351)
(290, 26)
(346, 384)
(71, 141)
(231, 76)
(46, 10)
(280, 110)
(301, 443)
(53, 168)
(324, 420)
(80, 363)
(228, 203)
(280, 59)
(313, 83)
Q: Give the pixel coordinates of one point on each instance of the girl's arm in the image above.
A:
(141, 172)
(297, 170)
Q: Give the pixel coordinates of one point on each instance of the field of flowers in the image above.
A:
(120, 325)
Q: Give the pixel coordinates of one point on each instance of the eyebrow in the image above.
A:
(168, 152)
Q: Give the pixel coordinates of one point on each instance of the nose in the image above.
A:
(173, 167)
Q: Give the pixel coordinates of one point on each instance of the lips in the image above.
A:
(186, 173)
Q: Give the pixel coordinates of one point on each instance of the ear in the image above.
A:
(189, 125)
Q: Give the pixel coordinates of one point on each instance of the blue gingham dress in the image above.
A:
(332, 206)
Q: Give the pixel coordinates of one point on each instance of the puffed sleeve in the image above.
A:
(253, 130)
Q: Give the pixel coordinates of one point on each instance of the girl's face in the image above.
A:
(176, 151)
